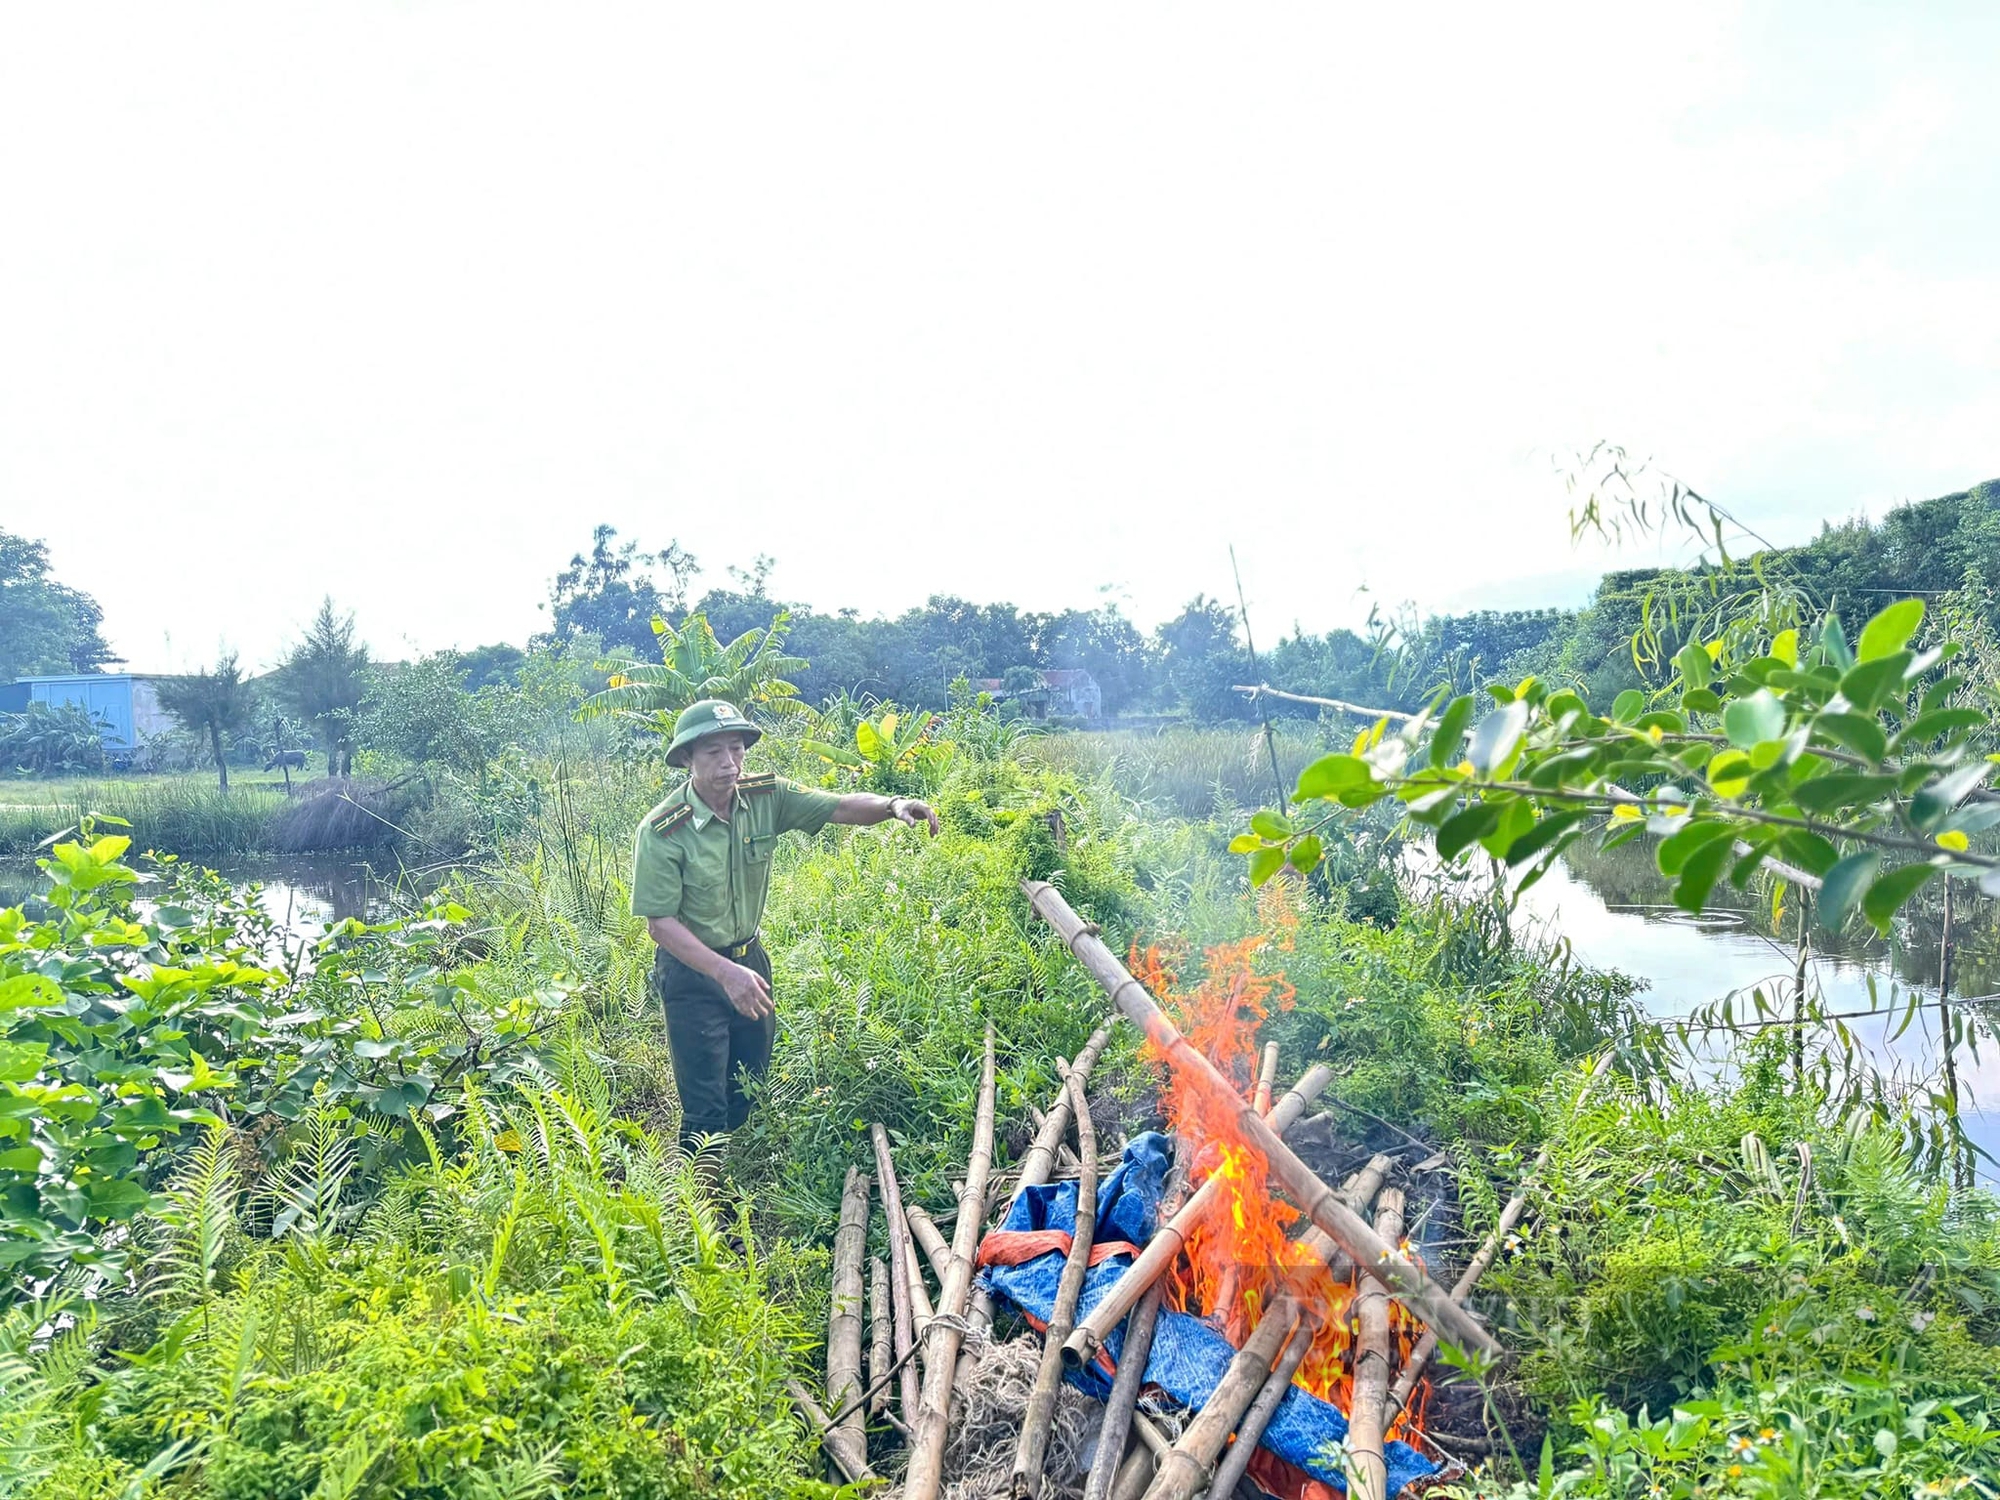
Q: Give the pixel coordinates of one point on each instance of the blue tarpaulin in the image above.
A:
(1188, 1357)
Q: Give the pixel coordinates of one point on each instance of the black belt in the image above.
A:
(738, 950)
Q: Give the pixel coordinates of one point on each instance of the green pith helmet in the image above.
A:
(708, 716)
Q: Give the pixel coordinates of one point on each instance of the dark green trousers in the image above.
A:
(716, 1051)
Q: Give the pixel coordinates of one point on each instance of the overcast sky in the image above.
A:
(395, 301)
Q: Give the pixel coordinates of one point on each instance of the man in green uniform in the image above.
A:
(701, 866)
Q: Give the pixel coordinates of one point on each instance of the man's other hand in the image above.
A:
(747, 992)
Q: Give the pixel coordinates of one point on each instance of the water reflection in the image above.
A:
(1612, 909)
(304, 894)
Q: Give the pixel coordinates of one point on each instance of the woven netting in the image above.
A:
(986, 1413)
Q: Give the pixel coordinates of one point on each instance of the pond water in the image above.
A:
(1613, 909)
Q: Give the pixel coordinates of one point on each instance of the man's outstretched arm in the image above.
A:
(863, 808)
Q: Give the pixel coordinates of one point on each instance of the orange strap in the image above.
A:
(1015, 1247)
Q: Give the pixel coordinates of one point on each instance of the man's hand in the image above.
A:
(748, 994)
(911, 811)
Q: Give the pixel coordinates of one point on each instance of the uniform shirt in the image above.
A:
(713, 873)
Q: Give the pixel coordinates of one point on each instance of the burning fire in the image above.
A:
(1241, 1256)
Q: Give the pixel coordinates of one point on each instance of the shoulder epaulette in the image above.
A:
(763, 781)
(672, 818)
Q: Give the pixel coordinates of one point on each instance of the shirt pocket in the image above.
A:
(758, 849)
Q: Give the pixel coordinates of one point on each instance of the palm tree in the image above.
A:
(216, 703)
(749, 672)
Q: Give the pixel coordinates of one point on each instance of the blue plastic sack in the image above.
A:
(1188, 1357)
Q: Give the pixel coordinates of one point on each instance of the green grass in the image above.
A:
(185, 814)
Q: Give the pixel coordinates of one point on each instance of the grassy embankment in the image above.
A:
(523, 1296)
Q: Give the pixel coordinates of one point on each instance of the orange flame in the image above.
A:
(1247, 1229)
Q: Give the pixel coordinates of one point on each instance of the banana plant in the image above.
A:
(885, 750)
(750, 672)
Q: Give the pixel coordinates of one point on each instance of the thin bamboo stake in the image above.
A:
(843, 1324)
(954, 1294)
(850, 1461)
(1510, 1215)
(1065, 1158)
(881, 1337)
(1359, 1191)
(1265, 690)
(1033, 1450)
(1118, 1408)
(1368, 1479)
(1165, 1246)
(1039, 1160)
(1231, 1284)
(900, 1258)
(1318, 1202)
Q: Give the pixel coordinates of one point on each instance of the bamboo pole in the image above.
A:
(1032, 1452)
(1185, 1471)
(930, 1239)
(1231, 1284)
(1118, 1408)
(851, 1461)
(908, 1391)
(921, 1310)
(843, 1324)
(881, 1337)
(1368, 1478)
(1039, 1160)
(1359, 1190)
(954, 1294)
(1404, 1278)
(1165, 1246)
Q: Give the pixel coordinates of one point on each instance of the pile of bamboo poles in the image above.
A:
(898, 1343)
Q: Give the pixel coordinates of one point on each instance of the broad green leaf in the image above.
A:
(1271, 825)
(1828, 794)
(1749, 721)
(1628, 705)
(1806, 848)
(1785, 646)
(1699, 872)
(1890, 890)
(1516, 818)
(1694, 665)
(1854, 732)
(1842, 885)
(1868, 685)
(1933, 723)
(1939, 797)
(1245, 843)
(1265, 863)
(1890, 630)
(1451, 731)
(1306, 854)
(1675, 850)
(1701, 701)
(1330, 775)
(1498, 733)
(1544, 833)
(1465, 827)
(1729, 773)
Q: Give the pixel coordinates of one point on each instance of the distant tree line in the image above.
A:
(329, 696)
